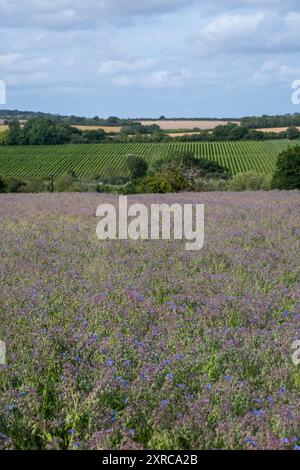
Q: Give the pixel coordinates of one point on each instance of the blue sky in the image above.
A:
(144, 58)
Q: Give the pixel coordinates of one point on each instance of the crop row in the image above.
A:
(110, 159)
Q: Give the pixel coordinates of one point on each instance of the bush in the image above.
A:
(2, 186)
(287, 173)
(137, 166)
(192, 166)
(14, 185)
(202, 184)
(155, 184)
(34, 185)
(169, 180)
(249, 181)
(65, 184)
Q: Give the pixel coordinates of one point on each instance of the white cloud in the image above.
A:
(164, 48)
(111, 67)
(155, 80)
(277, 71)
(249, 33)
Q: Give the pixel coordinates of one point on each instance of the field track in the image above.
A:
(109, 159)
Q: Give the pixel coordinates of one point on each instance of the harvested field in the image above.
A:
(169, 125)
(95, 128)
(277, 130)
(181, 134)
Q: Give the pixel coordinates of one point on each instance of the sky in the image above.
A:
(147, 58)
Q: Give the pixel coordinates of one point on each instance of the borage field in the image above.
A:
(143, 345)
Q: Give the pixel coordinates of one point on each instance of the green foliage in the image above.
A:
(137, 166)
(138, 128)
(15, 134)
(109, 160)
(44, 131)
(34, 185)
(2, 185)
(292, 133)
(249, 181)
(158, 183)
(4, 137)
(170, 179)
(13, 185)
(65, 184)
(207, 185)
(271, 121)
(287, 174)
(192, 166)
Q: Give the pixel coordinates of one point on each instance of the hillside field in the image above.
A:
(110, 159)
(170, 124)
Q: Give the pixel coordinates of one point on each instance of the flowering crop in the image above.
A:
(144, 345)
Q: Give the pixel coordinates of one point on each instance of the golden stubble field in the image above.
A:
(169, 125)
(104, 128)
(277, 130)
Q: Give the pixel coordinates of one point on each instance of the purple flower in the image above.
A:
(164, 403)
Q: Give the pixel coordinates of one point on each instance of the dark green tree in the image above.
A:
(2, 185)
(287, 174)
(15, 133)
(292, 133)
(137, 166)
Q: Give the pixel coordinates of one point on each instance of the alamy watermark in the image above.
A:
(165, 222)
(296, 93)
(2, 353)
(2, 92)
(296, 354)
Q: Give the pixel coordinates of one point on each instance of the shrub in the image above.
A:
(137, 166)
(65, 184)
(155, 184)
(287, 173)
(249, 181)
(14, 185)
(202, 184)
(169, 180)
(34, 185)
(2, 186)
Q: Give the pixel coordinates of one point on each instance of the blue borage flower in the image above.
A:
(258, 413)
(165, 403)
(250, 441)
(228, 378)
(285, 440)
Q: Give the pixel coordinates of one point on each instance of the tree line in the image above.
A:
(45, 131)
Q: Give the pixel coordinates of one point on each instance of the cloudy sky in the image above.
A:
(145, 58)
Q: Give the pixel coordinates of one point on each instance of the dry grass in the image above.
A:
(189, 125)
(3, 128)
(277, 130)
(95, 128)
(182, 134)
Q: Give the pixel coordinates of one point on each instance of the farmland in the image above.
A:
(106, 129)
(168, 125)
(109, 159)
